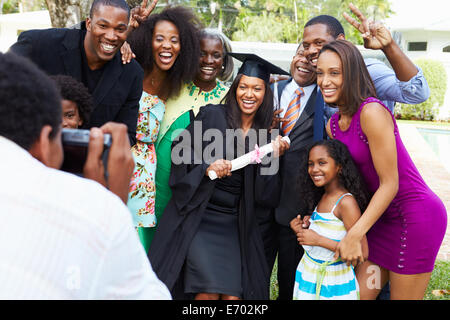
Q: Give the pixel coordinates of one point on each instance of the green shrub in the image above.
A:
(436, 77)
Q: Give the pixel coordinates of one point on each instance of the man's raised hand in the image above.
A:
(141, 12)
(375, 34)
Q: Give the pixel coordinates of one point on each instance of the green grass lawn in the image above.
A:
(440, 280)
(274, 282)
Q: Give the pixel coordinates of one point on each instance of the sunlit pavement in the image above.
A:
(432, 171)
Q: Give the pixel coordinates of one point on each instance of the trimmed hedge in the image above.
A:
(436, 77)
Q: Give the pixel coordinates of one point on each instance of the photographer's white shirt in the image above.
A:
(65, 237)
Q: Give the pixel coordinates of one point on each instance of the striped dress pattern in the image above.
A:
(318, 275)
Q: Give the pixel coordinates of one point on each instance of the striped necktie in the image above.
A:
(292, 112)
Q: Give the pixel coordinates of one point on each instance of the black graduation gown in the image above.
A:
(191, 191)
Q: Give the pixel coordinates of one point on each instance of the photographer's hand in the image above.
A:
(120, 159)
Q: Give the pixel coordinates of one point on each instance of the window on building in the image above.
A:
(417, 46)
(446, 49)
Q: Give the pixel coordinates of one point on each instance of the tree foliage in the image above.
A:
(295, 13)
(280, 20)
(434, 72)
(14, 6)
(245, 20)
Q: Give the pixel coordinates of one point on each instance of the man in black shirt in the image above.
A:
(92, 56)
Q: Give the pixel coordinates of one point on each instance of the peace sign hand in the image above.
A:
(375, 35)
(140, 13)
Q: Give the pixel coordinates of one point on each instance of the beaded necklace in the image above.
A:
(214, 93)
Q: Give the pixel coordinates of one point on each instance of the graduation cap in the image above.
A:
(255, 66)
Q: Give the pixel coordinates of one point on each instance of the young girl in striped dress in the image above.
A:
(333, 191)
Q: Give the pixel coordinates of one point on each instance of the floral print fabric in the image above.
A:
(141, 196)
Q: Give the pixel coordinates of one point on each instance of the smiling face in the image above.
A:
(250, 94)
(330, 77)
(302, 72)
(322, 169)
(314, 38)
(166, 44)
(106, 32)
(71, 117)
(211, 61)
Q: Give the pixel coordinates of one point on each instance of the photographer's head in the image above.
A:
(30, 109)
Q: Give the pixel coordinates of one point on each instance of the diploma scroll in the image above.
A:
(254, 156)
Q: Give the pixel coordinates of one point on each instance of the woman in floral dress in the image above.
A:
(141, 199)
(157, 44)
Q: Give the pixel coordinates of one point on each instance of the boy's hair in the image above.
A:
(349, 177)
(73, 90)
(357, 85)
(28, 101)
(112, 3)
(334, 27)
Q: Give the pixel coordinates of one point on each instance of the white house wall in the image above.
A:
(436, 41)
(12, 24)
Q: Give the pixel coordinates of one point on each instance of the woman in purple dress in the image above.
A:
(405, 221)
